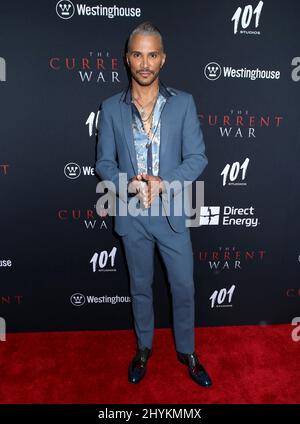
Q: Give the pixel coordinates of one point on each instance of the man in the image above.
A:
(149, 137)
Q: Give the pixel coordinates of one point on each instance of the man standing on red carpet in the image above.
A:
(150, 138)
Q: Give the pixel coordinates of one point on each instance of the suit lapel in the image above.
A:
(164, 131)
(127, 127)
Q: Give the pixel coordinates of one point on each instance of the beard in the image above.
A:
(140, 80)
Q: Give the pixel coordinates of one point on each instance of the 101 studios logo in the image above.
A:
(222, 298)
(235, 173)
(243, 19)
(104, 261)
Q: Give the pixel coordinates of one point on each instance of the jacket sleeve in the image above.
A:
(106, 163)
(193, 150)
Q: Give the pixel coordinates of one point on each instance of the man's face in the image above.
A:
(145, 58)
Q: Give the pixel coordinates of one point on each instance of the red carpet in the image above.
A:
(248, 364)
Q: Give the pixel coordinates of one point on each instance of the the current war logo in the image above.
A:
(230, 258)
(4, 167)
(240, 125)
(99, 67)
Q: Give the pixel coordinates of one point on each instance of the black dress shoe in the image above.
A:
(196, 369)
(138, 366)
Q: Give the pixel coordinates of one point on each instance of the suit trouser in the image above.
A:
(176, 251)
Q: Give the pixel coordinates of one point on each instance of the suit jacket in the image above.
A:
(181, 154)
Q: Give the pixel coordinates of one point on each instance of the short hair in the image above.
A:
(145, 28)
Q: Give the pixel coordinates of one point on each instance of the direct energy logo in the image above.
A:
(230, 216)
(210, 215)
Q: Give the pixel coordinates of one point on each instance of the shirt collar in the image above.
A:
(165, 91)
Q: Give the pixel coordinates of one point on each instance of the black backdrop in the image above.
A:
(54, 245)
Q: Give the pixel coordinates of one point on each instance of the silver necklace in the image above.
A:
(142, 110)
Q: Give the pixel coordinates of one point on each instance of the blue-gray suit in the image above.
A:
(181, 158)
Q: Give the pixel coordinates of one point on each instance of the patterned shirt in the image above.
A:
(147, 158)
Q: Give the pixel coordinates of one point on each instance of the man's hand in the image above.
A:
(134, 184)
(146, 192)
(139, 188)
(155, 187)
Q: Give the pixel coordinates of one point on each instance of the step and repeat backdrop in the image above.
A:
(62, 266)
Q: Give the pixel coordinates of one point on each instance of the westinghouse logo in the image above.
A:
(65, 9)
(72, 171)
(213, 71)
(5, 263)
(77, 299)
(2, 70)
(228, 216)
